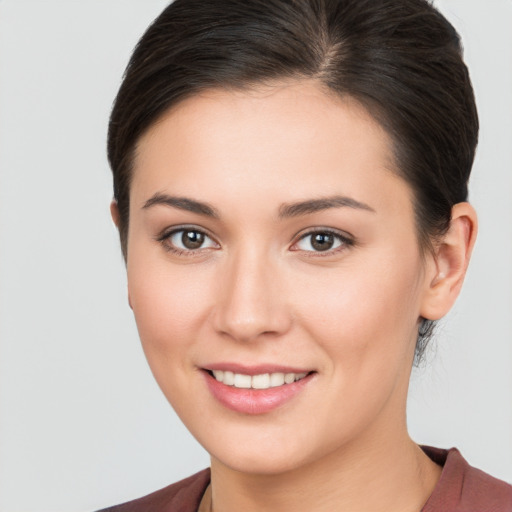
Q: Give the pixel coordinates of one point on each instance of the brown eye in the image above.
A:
(188, 240)
(192, 239)
(322, 241)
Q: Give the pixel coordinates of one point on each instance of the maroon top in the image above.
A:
(461, 488)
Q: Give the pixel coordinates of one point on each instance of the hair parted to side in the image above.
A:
(401, 59)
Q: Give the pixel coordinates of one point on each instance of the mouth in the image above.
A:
(256, 390)
(258, 381)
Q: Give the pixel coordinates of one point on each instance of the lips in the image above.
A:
(255, 390)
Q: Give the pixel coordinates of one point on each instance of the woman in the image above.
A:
(290, 182)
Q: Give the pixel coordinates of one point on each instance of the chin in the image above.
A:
(267, 452)
(259, 462)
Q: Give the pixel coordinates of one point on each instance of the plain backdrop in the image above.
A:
(82, 424)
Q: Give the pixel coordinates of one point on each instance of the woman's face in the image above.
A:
(271, 241)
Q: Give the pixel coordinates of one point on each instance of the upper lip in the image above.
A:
(258, 369)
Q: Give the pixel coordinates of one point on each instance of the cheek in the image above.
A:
(366, 312)
(364, 321)
(170, 305)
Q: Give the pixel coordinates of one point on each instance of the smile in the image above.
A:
(261, 381)
(255, 390)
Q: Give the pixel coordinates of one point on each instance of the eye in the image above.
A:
(321, 241)
(187, 240)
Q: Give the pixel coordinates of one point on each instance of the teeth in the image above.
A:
(242, 381)
(289, 378)
(276, 379)
(219, 375)
(229, 378)
(262, 381)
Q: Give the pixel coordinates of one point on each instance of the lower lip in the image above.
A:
(254, 401)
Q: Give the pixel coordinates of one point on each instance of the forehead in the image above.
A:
(293, 134)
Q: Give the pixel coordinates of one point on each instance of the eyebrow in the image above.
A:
(324, 203)
(182, 203)
(285, 211)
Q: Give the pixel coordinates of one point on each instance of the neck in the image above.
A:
(394, 476)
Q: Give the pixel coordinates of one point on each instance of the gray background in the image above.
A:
(82, 424)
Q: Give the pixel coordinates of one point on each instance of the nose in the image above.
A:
(251, 302)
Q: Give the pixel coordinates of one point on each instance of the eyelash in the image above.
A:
(164, 239)
(345, 242)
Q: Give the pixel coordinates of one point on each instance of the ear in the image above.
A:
(114, 212)
(447, 268)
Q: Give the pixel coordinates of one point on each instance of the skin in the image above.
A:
(257, 293)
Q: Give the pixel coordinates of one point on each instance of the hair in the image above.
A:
(401, 59)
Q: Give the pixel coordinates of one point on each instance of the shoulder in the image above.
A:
(182, 496)
(463, 488)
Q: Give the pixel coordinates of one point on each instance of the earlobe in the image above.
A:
(450, 262)
(114, 212)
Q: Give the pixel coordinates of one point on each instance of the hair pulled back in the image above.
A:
(401, 59)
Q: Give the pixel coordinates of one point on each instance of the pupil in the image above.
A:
(192, 239)
(322, 241)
